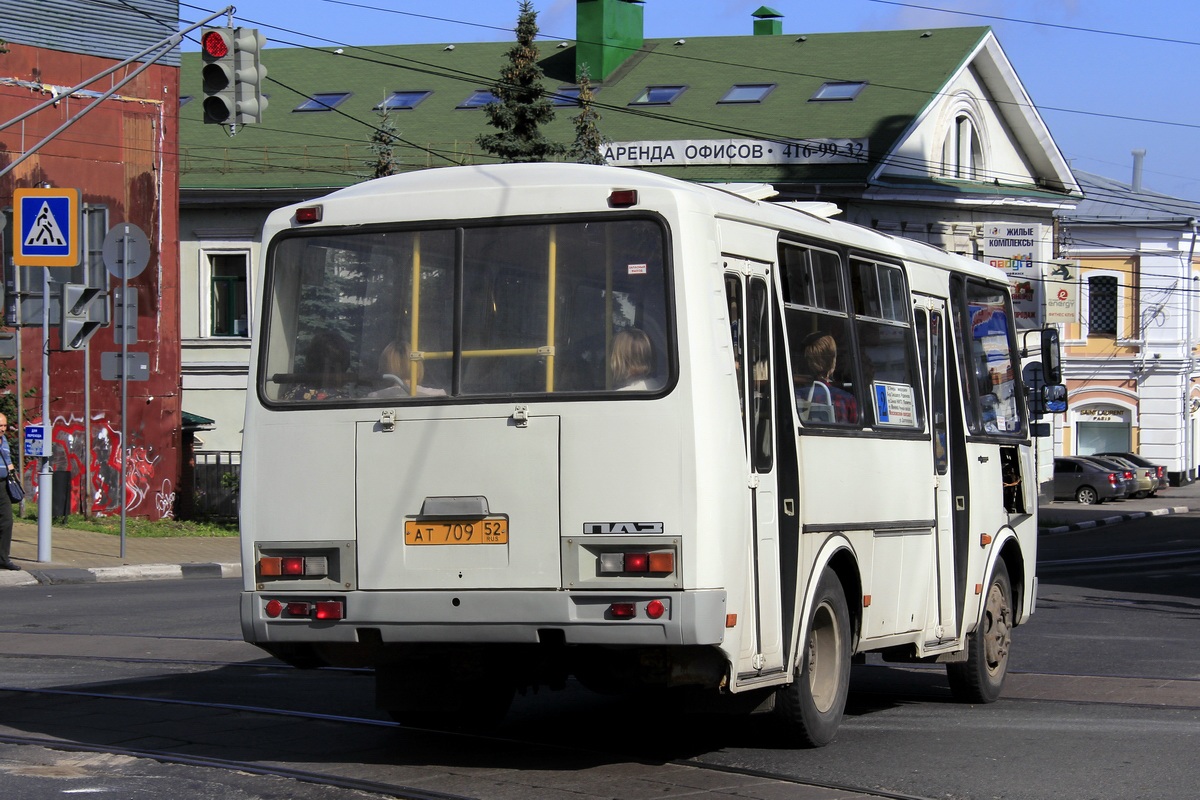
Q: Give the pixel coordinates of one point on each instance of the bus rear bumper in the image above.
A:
(508, 617)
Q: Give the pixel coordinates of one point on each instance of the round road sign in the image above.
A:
(126, 250)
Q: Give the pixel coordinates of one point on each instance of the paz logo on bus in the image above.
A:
(46, 227)
(622, 527)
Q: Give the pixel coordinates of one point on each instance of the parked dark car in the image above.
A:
(1160, 470)
(1088, 481)
(1126, 470)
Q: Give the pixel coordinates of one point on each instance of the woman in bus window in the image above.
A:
(632, 361)
(398, 368)
(816, 392)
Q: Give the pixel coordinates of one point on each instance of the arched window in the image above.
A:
(962, 150)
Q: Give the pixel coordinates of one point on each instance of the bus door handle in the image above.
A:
(520, 416)
(387, 421)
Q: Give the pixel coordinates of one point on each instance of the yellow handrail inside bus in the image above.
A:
(552, 268)
(415, 316)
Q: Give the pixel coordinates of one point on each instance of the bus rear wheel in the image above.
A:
(980, 678)
(811, 706)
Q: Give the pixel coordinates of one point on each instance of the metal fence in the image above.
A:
(216, 480)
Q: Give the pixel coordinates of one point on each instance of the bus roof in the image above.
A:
(523, 189)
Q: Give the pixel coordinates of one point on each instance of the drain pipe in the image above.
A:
(1192, 283)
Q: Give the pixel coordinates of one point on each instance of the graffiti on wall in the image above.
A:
(103, 492)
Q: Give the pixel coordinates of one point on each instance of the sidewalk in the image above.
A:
(1064, 516)
(87, 557)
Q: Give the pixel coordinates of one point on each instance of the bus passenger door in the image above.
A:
(748, 295)
(949, 484)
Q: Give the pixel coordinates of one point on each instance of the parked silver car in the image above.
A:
(1159, 470)
(1088, 481)
(1145, 479)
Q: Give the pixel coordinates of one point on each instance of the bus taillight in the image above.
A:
(306, 609)
(309, 214)
(293, 566)
(330, 609)
(623, 610)
(641, 562)
(622, 198)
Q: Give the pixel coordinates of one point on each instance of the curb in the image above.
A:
(58, 576)
(1096, 523)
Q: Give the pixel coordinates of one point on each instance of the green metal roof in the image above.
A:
(903, 70)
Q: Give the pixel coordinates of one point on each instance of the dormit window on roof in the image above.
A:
(838, 90)
(658, 96)
(323, 101)
(747, 93)
(400, 100)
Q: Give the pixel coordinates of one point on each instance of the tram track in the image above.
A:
(339, 778)
(384, 765)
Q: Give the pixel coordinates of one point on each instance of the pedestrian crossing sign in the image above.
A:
(46, 227)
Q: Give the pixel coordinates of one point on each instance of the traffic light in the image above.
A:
(232, 75)
(217, 52)
(248, 44)
(76, 325)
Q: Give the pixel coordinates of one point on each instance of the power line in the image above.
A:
(1122, 34)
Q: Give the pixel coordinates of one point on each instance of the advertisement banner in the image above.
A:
(1062, 291)
(1017, 249)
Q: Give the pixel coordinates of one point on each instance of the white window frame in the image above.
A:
(205, 293)
(964, 141)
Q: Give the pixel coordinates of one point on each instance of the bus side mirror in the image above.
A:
(1051, 358)
(1054, 398)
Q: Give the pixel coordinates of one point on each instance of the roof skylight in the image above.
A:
(479, 98)
(747, 93)
(569, 95)
(323, 101)
(839, 90)
(658, 96)
(402, 100)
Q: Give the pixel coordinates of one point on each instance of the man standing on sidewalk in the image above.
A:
(6, 512)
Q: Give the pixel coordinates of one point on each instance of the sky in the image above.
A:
(1108, 76)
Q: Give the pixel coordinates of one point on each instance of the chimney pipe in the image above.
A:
(1139, 156)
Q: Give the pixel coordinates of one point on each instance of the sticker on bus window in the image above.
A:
(894, 404)
(638, 269)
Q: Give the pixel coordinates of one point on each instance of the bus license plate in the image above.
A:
(456, 531)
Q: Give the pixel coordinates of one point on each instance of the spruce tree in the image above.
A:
(586, 149)
(383, 140)
(522, 106)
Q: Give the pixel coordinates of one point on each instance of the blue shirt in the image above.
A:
(5, 457)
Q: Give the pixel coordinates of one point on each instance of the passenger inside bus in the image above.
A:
(818, 398)
(324, 373)
(632, 362)
(399, 369)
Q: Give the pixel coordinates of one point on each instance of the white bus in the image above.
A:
(510, 425)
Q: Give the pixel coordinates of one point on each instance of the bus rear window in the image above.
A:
(374, 316)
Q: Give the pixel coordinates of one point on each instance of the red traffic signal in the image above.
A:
(215, 44)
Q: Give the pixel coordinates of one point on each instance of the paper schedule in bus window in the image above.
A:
(894, 404)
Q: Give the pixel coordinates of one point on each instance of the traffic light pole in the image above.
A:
(45, 476)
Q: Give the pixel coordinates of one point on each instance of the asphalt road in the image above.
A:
(1103, 701)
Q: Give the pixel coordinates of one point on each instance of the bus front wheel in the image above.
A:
(980, 678)
(811, 706)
